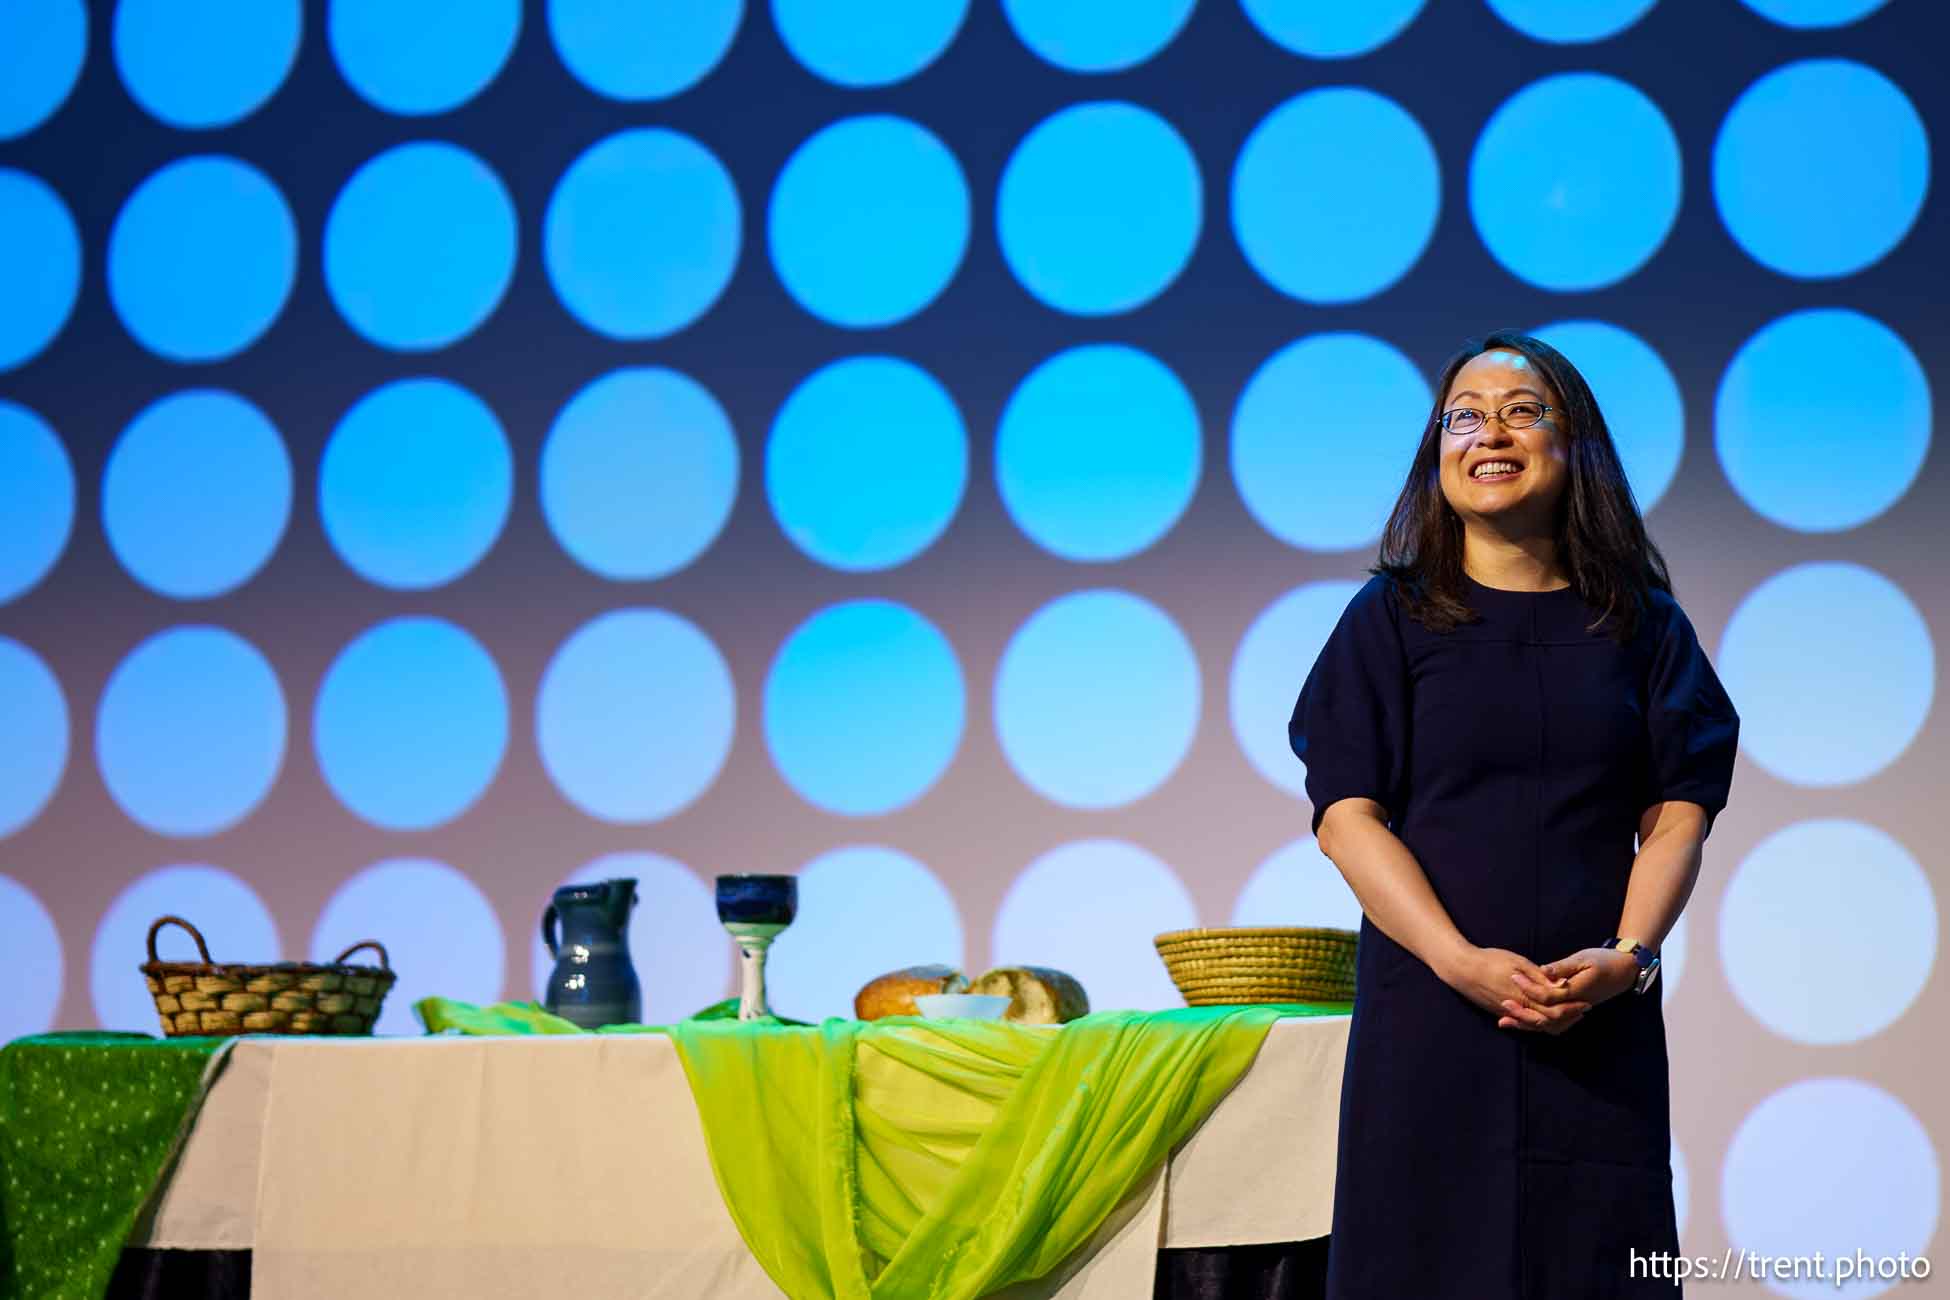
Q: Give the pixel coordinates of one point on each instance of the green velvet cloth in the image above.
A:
(935, 1160)
(87, 1123)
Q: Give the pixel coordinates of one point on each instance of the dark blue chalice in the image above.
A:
(755, 909)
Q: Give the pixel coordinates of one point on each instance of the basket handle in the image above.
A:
(373, 944)
(202, 948)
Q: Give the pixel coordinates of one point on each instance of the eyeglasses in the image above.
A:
(1517, 415)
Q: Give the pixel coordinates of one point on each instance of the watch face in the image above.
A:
(1648, 974)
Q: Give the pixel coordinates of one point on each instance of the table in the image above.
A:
(472, 1167)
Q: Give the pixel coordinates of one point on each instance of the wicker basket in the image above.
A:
(1260, 964)
(290, 997)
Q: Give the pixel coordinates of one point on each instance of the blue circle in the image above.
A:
(42, 48)
(867, 463)
(36, 499)
(869, 221)
(642, 233)
(629, 745)
(196, 494)
(1570, 24)
(415, 484)
(40, 263)
(1814, 13)
(1638, 394)
(427, 56)
(190, 732)
(1575, 181)
(1875, 169)
(1363, 404)
(207, 64)
(864, 707)
(1267, 670)
(202, 258)
(32, 963)
(1097, 35)
(411, 723)
(1066, 693)
(1099, 208)
(639, 473)
(420, 246)
(33, 735)
(1335, 243)
(1858, 637)
(1786, 394)
(1098, 452)
(867, 42)
(1331, 31)
(625, 49)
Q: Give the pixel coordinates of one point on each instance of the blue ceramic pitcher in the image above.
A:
(594, 983)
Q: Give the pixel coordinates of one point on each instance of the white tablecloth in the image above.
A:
(476, 1167)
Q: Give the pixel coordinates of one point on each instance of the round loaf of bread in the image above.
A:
(893, 994)
(1037, 995)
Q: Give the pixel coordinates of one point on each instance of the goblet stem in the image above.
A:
(751, 977)
(754, 938)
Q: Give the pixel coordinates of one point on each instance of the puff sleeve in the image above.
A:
(1350, 725)
(1692, 727)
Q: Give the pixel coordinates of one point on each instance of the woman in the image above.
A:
(1500, 709)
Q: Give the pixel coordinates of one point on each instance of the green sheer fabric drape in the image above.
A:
(935, 1160)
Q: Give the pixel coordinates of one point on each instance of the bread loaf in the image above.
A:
(893, 994)
(1037, 995)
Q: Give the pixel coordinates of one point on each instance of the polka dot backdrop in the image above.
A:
(447, 450)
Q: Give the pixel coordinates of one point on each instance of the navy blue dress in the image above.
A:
(1515, 757)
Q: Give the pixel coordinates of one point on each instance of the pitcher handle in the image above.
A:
(548, 928)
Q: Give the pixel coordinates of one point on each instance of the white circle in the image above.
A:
(30, 963)
(1816, 900)
(1835, 1165)
(1682, 1189)
(635, 715)
(842, 938)
(1856, 633)
(1672, 959)
(1091, 907)
(683, 957)
(440, 932)
(1064, 692)
(1267, 672)
(639, 473)
(1298, 885)
(235, 924)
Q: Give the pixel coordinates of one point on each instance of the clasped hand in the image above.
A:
(1546, 999)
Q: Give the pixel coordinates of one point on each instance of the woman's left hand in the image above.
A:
(1589, 975)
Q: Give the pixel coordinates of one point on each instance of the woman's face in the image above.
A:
(1523, 501)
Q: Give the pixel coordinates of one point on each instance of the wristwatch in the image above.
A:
(1647, 959)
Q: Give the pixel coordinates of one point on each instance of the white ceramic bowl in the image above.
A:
(963, 1006)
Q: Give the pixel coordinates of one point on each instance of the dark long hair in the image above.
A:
(1601, 539)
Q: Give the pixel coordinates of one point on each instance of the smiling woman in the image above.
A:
(1505, 1126)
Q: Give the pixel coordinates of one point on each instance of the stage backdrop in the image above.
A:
(452, 448)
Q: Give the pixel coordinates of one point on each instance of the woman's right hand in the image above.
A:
(1486, 976)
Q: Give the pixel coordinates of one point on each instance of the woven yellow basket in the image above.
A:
(1237, 964)
(290, 997)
